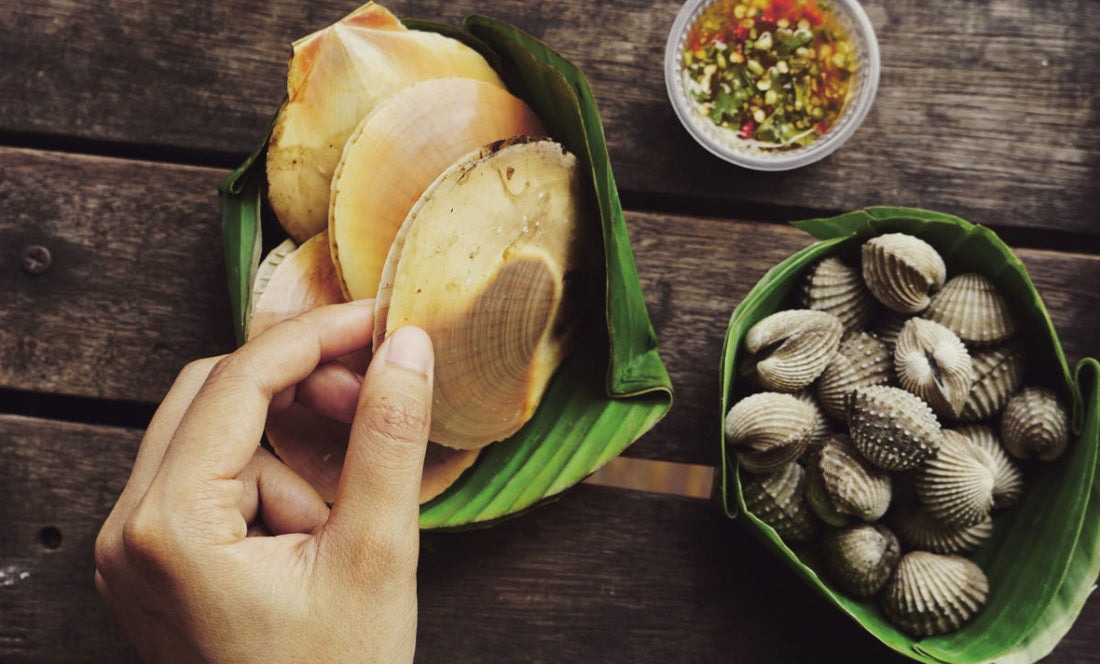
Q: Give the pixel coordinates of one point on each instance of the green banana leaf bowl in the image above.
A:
(609, 392)
(1044, 556)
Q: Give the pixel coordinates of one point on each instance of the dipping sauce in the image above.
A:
(776, 73)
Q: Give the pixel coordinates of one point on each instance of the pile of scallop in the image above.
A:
(888, 434)
(403, 170)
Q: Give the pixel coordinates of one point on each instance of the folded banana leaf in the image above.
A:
(1044, 556)
(608, 393)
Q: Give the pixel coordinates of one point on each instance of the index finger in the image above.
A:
(221, 429)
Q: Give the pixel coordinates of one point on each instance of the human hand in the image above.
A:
(216, 551)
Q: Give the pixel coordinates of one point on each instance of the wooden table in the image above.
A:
(119, 118)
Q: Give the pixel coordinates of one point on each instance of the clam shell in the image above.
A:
(888, 326)
(902, 271)
(768, 430)
(892, 428)
(956, 486)
(1008, 481)
(861, 558)
(823, 427)
(851, 485)
(1034, 423)
(998, 374)
(931, 593)
(778, 499)
(970, 306)
(934, 364)
(860, 361)
(918, 529)
(789, 349)
(834, 287)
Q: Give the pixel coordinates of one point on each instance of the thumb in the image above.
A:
(377, 500)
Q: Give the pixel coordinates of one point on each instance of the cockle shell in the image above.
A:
(1035, 423)
(902, 271)
(768, 430)
(888, 326)
(861, 558)
(778, 499)
(1008, 481)
(918, 529)
(956, 485)
(998, 374)
(861, 360)
(849, 485)
(970, 306)
(822, 426)
(932, 593)
(834, 287)
(934, 364)
(336, 76)
(892, 428)
(789, 349)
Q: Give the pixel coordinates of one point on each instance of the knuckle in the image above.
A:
(399, 418)
(198, 370)
(144, 539)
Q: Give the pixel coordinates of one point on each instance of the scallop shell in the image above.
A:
(778, 499)
(768, 430)
(934, 364)
(956, 486)
(394, 155)
(902, 271)
(851, 486)
(336, 76)
(933, 594)
(789, 349)
(860, 361)
(822, 426)
(834, 287)
(861, 558)
(492, 262)
(888, 326)
(1008, 481)
(998, 374)
(970, 306)
(892, 428)
(1035, 423)
(920, 530)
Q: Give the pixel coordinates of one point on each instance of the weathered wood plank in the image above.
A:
(137, 287)
(986, 110)
(601, 575)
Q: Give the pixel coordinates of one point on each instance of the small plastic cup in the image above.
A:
(725, 144)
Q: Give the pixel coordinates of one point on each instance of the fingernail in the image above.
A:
(411, 348)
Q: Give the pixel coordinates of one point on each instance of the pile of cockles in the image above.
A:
(892, 414)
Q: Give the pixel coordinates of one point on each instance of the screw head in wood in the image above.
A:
(36, 259)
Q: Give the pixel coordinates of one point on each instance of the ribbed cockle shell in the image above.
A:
(998, 374)
(918, 529)
(1035, 423)
(887, 326)
(789, 349)
(1008, 481)
(970, 306)
(834, 287)
(902, 271)
(956, 486)
(932, 593)
(822, 426)
(850, 485)
(932, 363)
(778, 499)
(767, 430)
(892, 428)
(860, 361)
(861, 558)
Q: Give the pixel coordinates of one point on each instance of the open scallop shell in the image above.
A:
(767, 430)
(934, 364)
(493, 262)
(834, 287)
(918, 529)
(902, 271)
(1035, 423)
(932, 593)
(1008, 481)
(998, 374)
(336, 76)
(892, 428)
(861, 558)
(399, 149)
(860, 361)
(778, 499)
(789, 349)
(956, 486)
(970, 306)
(850, 485)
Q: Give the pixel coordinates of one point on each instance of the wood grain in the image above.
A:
(987, 110)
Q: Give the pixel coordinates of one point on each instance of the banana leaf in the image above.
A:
(612, 390)
(1043, 558)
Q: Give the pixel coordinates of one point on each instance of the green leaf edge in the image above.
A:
(766, 297)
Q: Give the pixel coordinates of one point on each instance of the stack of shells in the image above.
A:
(848, 444)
